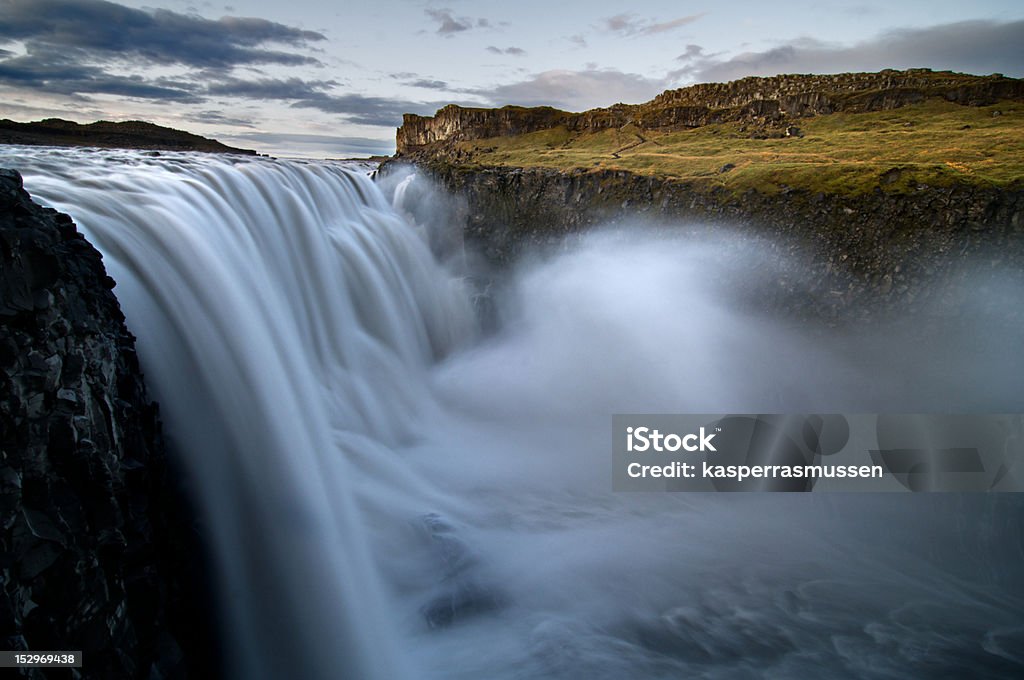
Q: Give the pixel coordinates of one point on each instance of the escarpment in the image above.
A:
(771, 103)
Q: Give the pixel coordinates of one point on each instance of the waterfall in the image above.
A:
(390, 494)
(282, 311)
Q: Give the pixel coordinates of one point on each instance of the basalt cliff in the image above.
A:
(772, 104)
(99, 551)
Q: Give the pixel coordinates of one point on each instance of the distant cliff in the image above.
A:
(132, 134)
(770, 103)
(885, 184)
(99, 550)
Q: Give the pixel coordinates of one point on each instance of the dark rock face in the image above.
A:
(97, 553)
(768, 102)
(880, 249)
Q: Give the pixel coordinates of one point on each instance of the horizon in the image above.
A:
(314, 83)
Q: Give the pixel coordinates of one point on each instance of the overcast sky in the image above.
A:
(326, 78)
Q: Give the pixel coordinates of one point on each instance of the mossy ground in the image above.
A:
(935, 143)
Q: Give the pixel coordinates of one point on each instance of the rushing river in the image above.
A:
(392, 493)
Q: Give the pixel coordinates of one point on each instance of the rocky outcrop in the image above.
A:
(132, 134)
(855, 92)
(459, 122)
(767, 102)
(879, 250)
(98, 551)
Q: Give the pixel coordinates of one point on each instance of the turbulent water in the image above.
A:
(391, 493)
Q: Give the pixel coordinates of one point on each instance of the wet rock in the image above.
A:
(96, 549)
(461, 592)
(850, 243)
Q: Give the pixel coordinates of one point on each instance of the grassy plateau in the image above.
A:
(934, 143)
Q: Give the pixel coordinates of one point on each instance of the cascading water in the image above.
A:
(284, 314)
(389, 495)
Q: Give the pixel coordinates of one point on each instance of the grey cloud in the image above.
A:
(62, 75)
(74, 46)
(631, 25)
(447, 24)
(315, 94)
(104, 29)
(415, 80)
(270, 88)
(620, 22)
(579, 40)
(575, 90)
(218, 118)
(980, 47)
(692, 52)
(359, 108)
(428, 84)
(514, 51)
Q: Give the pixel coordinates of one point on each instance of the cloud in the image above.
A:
(62, 74)
(218, 118)
(428, 84)
(448, 25)
(980, 47)
(579, 40)
(630, 25)
(270, 88)
(367, 110)
(666, 26)
(514, 51)
(575, 90)
(101, 29)
(80, 48)
(692, 52)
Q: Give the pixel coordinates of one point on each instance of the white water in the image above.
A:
(391, 496)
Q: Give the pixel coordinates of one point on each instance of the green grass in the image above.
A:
(935, 143)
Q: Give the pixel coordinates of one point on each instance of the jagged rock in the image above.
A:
(98, 551)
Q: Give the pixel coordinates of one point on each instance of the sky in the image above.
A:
(331, 79)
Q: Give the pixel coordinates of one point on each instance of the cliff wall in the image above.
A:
(881, 250)
(99, 553)
(768, 102)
